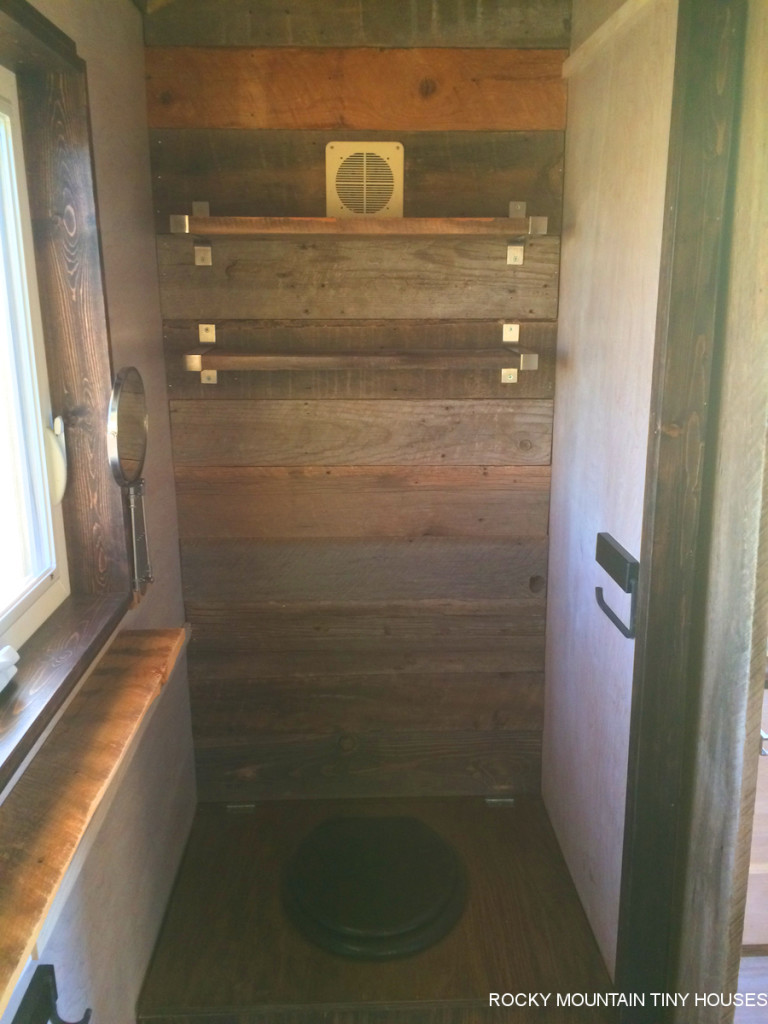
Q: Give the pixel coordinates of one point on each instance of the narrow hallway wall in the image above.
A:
(619, 104)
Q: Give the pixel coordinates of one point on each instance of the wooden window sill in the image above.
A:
(46, 814)
(52, 663)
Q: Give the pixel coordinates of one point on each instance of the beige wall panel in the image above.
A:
(619, 117)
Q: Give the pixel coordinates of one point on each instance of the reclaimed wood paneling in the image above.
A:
(268, 503)
(291, 88)
(301, 337)
(538, 23)
(374, 702)
(326, 278)
(370, 764)
(278, 173)
(353, 570)
(350, 535)
(495, 433)
(367, 628)
(443, 660)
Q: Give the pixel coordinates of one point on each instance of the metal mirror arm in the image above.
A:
(142, 567)
(126, 446)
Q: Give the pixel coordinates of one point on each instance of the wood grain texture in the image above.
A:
(207, 667)
(302, 337)
(282, 173)
(265, 504)
(357, 23)
(341, 571)
(62, 205)
(523, 929)
(357, 227)
(732, 673)
(367, 628)
(51, 664)
(46, 814)
(670, 939)
(370, 703)
(326, 278)
(384, 764)
(30, 41)
(322, 89)
(290, 433)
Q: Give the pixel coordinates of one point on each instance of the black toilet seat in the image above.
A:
(374, 888)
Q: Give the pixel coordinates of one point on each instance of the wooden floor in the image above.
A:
(226, 952)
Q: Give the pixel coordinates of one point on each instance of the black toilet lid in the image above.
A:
(374, 887)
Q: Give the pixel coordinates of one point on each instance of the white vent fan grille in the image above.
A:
(364, 179)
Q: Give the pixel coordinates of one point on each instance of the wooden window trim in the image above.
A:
(57, 144)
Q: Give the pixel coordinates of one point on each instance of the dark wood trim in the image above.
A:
(52, 663)
(68, 256)
(667, 687)
(29, 40)
(58, 151)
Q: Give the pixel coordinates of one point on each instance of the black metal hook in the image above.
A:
(627, 631)
(39, 1003)
(622, 568)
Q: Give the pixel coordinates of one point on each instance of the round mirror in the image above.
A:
(127, 427)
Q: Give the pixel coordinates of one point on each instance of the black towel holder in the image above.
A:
(624, 570)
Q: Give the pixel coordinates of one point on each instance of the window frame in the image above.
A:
(43, 595)
(53, 101)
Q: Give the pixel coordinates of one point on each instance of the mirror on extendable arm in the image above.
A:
(127, 446)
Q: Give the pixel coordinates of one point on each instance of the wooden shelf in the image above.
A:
(358, 226)
(46, 814)
(208, 358)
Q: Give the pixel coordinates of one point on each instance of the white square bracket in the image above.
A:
(538, 225)
(203, 256)
(509, 376)
(515, 255)
(206, 334)
(201, 208)
(209, 377)
(509, 332)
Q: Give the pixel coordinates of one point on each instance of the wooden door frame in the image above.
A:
(700, 652)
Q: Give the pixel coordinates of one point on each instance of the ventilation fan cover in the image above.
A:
(364, 179)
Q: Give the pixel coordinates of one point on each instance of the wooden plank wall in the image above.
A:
(364, 551)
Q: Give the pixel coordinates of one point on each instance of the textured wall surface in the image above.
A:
(618, 129)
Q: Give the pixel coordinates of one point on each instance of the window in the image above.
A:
(34, 579)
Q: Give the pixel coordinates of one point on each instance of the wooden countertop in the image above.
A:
(47, 812)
